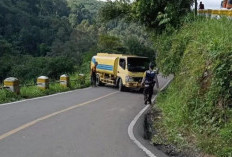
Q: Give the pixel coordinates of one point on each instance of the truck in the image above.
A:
(120, 70)
(226, 4)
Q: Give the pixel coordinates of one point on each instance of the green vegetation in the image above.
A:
(50, 38)
(27, 68)
(7, 96)
(196, 107)
(44, 37)
(154, 14)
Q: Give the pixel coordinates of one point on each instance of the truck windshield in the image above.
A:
(137, 64)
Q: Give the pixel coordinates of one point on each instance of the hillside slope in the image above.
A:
(196, 109)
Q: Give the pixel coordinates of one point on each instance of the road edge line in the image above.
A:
(134, 121)
(41, 97)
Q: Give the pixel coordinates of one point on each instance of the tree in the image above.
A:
(117, 9)
(195, 1)
(135, 47)
(5, 47)
(78, 14)
(154, 14)
(110, 44)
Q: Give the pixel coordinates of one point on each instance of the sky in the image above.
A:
(209, 4)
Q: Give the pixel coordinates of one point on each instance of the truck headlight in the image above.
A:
(129, 79)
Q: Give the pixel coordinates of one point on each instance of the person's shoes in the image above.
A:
(145, 103)
(149, 102)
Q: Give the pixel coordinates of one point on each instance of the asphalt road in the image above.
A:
(89, 122)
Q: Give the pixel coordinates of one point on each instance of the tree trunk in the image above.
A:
(195, 7)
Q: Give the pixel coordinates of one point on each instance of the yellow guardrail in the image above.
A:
(209, 12)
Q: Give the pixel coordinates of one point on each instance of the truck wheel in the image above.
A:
(98, 82)
(120, 86)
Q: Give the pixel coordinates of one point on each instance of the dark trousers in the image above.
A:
(93, 79)
(148, 92)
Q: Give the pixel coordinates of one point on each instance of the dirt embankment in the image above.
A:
(152, 133)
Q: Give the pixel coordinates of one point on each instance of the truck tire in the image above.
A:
(98, 82)
(120, 86)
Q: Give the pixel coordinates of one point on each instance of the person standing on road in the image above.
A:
(149, 81)
(201, 6)
(94, 74)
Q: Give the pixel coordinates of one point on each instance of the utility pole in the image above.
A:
(195, 7)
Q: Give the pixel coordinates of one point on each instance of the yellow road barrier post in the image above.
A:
(65, 80)
(12, 84)
(43, 82)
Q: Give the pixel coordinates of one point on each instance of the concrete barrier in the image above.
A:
(65, 80)
(12, 84)
(43, 82)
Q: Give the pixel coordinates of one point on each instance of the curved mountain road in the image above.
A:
(89, 122)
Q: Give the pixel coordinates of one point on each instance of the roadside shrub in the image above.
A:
(197, 106)
(31, 67)
(7, 96)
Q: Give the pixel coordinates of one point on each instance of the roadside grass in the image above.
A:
(31, 91)
(196, 108)
(7, 96)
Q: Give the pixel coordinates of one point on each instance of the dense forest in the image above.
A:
(51, 37)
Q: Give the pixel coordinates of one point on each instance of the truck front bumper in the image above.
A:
(133, 85)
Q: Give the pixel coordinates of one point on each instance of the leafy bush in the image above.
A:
(7, 96)
(27, 68)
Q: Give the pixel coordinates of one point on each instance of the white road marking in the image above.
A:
(6, 104)
(134, 121)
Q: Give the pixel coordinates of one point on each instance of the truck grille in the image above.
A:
(138, 79)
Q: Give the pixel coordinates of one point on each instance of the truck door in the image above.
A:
(122, 69)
